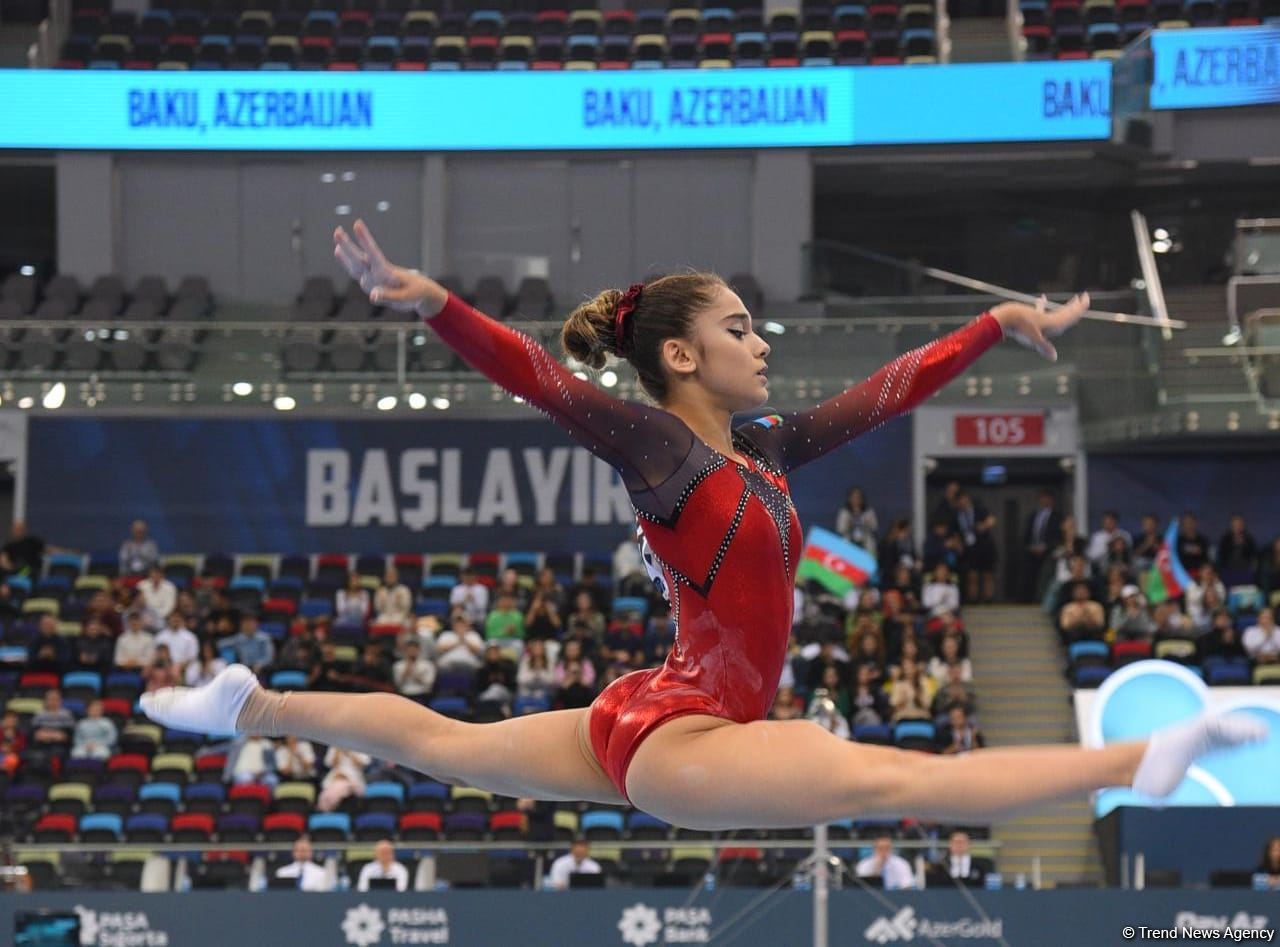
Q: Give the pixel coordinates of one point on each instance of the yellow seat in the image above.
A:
(99, 583)
(42, 606)
(71, 792)
(173, 761)
(304, 791)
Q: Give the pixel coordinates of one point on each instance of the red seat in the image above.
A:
(501, 820)
(745, 854)
(221, 856)
(283, 822)
(55, 826)
(255, 791)
(117, 707)
(1125, 652)
(193, 823)
(41, 680)
(210, 762)
(385, 630)
(128, 761)
(420, 820)
(286, 606)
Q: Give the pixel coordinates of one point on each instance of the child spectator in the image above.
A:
(53, 724)
(95, 734)
(535, 677)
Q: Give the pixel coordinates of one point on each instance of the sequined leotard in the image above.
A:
(723, 537)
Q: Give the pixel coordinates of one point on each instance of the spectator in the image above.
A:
(413, 675)
(13, 741)
(535, 677)
(948, 503)
(1081, 618)
(136, 647)
(1206, 581)
(161, 672)
(1209, 603)
(205, 667)
(911, 694)
(1223, 640)
(1269, 864)
(960, 735)
(868, 703)
(460, 647)
(295, 759)
(183, 645)
(384, 865)
(1119, 556)
(543, 620)
(577, 862)
(159, 595)
(955, 693)
(856, 521)
(550, 589)
(1238, 553)
(252, 759)
(496, 678)
(940, 593)
(309, 875)
(823, 711)
(1262, 641)
(1042, 534)
(345, 777)
(371, 672)
(941, 666)
(1130, 619)
(505, 624)
(833, 682)
(94, 647)
(978, 561)
(1100, 542)
(898, 548)
(1193, 548)
(351, 604)
(48, 651)
(1069, 564)
(252, 646)
(593, 585)
(942, 545)
(574, 691)
(1170, 622)
(393, 602)
(885, 864)
(628, 567)
(471, 596)
(23, 554)
(786, 706)
(960, 866)
(95, 734)
(138, 553)
(1147, 545)
(822, 656)
(1269, 569)
(53, 724)
(573, 651)
(9, 606)
(586, 621)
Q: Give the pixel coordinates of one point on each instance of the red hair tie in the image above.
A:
(626, 306)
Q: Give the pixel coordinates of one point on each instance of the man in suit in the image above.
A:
(959, 867)
(1041, 536)
(308, 875)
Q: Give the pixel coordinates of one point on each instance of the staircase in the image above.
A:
(980, 39)
(1190, 381)
(1023, 698)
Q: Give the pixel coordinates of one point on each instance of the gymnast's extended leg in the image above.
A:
(704, 773)
(544, 756)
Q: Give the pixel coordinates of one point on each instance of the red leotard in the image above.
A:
(725, 535)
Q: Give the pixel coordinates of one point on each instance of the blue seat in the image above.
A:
(101, 823)
(530, 705)
(166, 791)
(146, 826)
(82, 680)
(1089, 649)
(255, 583)
(385, 790)
(451, 706)
(124, 680)
(1227, 673)
(529, 560)
(1244, 598)
(601, 819)
(1089, 676)
(914, 730)
(289, 681)
(439, 582)
(205, 792)
(632, 603)
(429, 789)
(20, 583)
(642, 820)
(873, 733)
(375, 825)
(321, 824)
(315, 608)
(276, 630)
(66, 563)
(431, 606)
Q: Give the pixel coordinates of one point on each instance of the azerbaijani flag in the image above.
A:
(836, 564)
(1167, 578)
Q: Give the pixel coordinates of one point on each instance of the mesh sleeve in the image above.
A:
(644, 444)
(796, 438)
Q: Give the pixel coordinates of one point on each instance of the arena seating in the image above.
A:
(1100, 29)
(411, 35)
(102, 304)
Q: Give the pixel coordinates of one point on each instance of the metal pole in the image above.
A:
(821, 854)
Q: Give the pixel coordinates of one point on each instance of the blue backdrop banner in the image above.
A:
(640, 918)
(369, 486)
(1216, 67)
(467, 111)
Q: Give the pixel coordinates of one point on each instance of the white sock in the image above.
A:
(1171, 750)
(213, 708)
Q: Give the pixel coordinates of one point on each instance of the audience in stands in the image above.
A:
(1130, 619)
(1238, 553)
(959, 866)
(884, 863)
(308, 875)
(23, 553)
(383, 866)
(205, 667)
(1262, 641)
(351, 604)
(535, 677)
(471, 596)
(181, 642)
(856, 521)
(138, 553)
(414, 676)
(251, 645)
(252, 759)
(295, 759)
(54, 723)
(136, 647)
(161, 672)
(577, 862)
(393, 602)
(912, 693)
(1082, 617)
(159, 596)
(459, 647)
(95, 734)
(504, 625)
(1043, 533)
(960, 735)
(345, 777)
(1100, 547)
(1193, 548)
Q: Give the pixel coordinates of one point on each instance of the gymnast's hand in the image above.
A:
(387, 284)
(1033, 326)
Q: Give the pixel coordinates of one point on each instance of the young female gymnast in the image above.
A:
(688, 741)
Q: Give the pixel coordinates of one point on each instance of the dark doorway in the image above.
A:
(1009, 489)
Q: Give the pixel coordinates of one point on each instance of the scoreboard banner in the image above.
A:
(1215, 68)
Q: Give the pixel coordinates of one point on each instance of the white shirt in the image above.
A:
(897, 871)
(134, 648)
(460, 658)
(564, 866)
(373, 870)
(1258, 641)
(939, 597)
(416, 679)
(197, 674)
(959, 866)
(474, 600)
(184, 647)
(298, 764)
(1096, 551)
(161, 598)
(314, 877)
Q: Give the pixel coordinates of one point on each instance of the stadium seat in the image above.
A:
(159, 798)
(372, 826)
(70, 798)
(55, 827)
(146, 827)
(420, 826)
(294, 797)
(1089, 676)
(465, 827)
(282, 826)
(249, 798)
(323, 826)
(98, 827)
(384, 797)
(204, 797)
(172, 768)
(238, 827)
(1126, 652)
(469, 799)
(601, 825)
(428, 796)
(915, 735)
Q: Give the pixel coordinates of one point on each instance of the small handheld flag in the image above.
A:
(1166, 578)
(835, 563)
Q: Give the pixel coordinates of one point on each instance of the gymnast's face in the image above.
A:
(725, 356)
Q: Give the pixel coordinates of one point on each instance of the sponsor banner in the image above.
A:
(1212, 68)
(369, 486)
(646, 917)
(469, 111)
